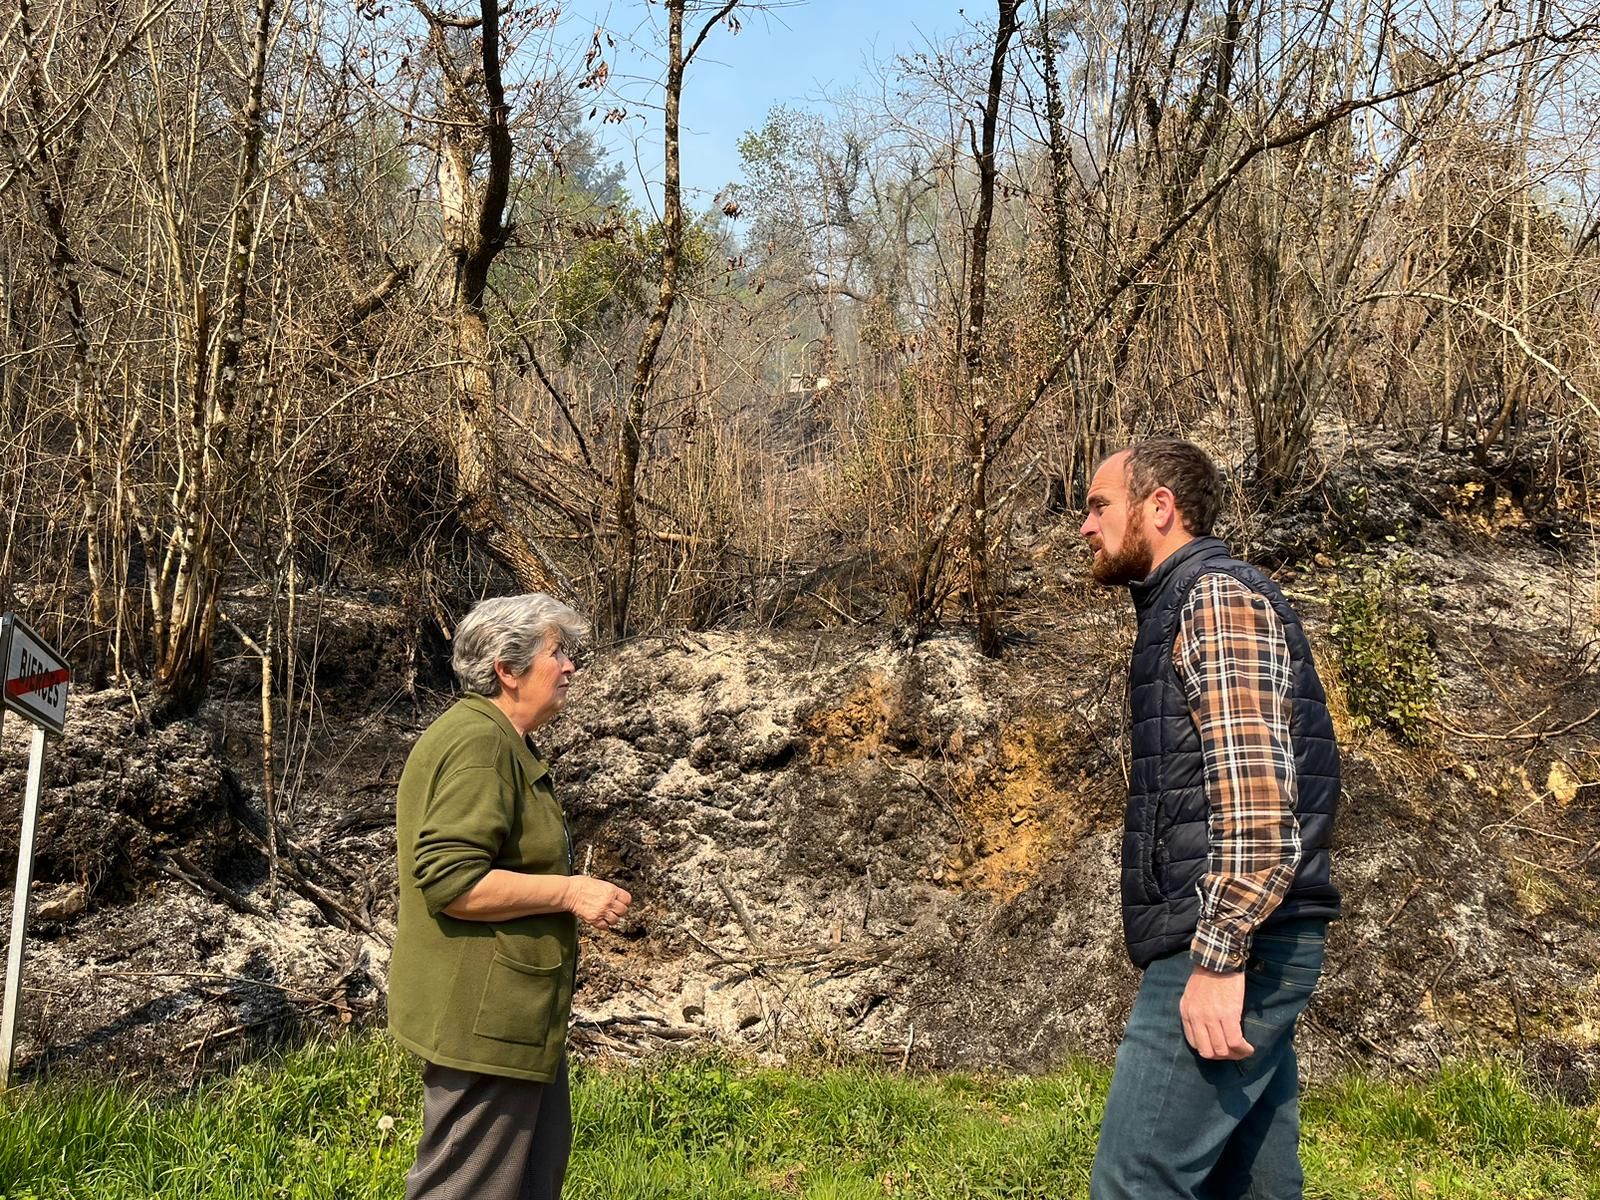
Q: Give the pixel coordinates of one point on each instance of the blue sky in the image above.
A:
(798, 54)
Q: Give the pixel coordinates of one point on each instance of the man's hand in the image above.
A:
(595, 901)
(1211, 1007)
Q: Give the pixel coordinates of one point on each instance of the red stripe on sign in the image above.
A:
(24, 684)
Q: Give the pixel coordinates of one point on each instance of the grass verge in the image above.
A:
(339, 1122)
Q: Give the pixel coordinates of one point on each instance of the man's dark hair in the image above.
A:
(1183, 469)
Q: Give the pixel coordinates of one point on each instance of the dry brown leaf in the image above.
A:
(1562, 783)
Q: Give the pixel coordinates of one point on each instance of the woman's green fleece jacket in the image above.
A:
(489, 996)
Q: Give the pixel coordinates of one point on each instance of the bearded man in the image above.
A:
(1226, 892)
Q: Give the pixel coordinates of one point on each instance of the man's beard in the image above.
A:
(1132, 562)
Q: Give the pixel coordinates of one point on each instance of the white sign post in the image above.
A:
(34, 685)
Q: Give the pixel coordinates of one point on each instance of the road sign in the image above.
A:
(36, 677)
(34, 685)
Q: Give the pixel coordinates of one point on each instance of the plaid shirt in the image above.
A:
(1233, 660)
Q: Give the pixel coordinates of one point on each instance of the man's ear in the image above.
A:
(1165, 504)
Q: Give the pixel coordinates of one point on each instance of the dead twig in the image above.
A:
(720, 955)
(1337, 1038)
(1399, 908)
(757, 942)
(1516, 1011)
(831, 607)
(1455, 955)
(945, 806)
(235, 1030)
(255, 825)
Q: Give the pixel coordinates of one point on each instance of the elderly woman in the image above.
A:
(480, 985)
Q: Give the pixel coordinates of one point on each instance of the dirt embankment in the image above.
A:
(844, 847)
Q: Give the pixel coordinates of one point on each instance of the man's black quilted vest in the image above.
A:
(1164, 843)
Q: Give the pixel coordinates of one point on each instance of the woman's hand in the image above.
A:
(595, 901)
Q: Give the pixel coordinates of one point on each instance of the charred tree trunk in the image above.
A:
(924, 580)
(630, 438)
(475, 232)
(205, 512)
(980, 448)
(1083, 443)
(50, 169)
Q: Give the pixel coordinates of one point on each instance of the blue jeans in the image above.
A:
(1181, 1127)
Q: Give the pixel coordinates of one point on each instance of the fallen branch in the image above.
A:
(719, 955)
(179, 866)
(643, 1023)
(1535, 736)
(800, 957)
(255, 824)
(330, 908)
(291, 993)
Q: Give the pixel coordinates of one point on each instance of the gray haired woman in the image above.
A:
(480, 984)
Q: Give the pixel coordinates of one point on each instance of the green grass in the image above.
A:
(339, 1122)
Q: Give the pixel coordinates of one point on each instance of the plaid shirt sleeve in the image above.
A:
(1233, 660)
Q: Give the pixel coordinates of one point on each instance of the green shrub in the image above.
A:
(1386, 657)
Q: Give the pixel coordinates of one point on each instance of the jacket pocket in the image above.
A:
(518, 1002)
(1152, 867)
(1156, 853)
(1158, 865)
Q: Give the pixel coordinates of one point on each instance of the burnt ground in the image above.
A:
(841, 847)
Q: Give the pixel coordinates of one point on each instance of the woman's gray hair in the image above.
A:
(510, 630)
